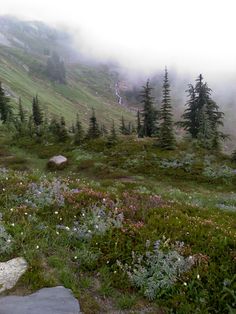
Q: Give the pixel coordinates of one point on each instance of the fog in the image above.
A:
(141, 37)
(186, 35)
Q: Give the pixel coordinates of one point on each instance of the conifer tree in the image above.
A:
(190, 114)
(5, 107)
(31, 126)
(149, 114)
(54, 128)
(167, 139)
(104, 131)
(72, 130)
(202, 116)
(37, 112)
(233, 156)
(139, 125)
(123, 128)
(79, 133)
(21, 112)
(112, 139)
(205, 131)
(93, 131)
(63, 134)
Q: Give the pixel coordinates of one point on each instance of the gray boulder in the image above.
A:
(57, 162)
(57, 300)
(10, 272)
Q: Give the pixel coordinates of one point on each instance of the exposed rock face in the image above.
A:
(58, 300)
(10, 272)
(57, 162)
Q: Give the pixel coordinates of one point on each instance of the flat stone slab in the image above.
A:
(10, 272)
(57, 300)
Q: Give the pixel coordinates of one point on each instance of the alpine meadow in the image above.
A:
(117, 172)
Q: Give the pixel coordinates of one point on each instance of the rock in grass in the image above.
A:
(57, 300)
(57, 162)
(10, 272)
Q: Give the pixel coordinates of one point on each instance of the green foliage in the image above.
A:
(167, 140)
(139, 125)
(233, 157)
(5, 239)
(79, 132)
(63, 133)
(202, 118)
(157, 270)
(112, 138)
(149, 114)
(125, 129)
(37, 112)
(5, 107)
(93, 131)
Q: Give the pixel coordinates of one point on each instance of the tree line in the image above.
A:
(202, 119)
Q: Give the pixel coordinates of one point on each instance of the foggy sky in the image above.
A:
(195, 36)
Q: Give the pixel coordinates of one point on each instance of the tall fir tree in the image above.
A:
(205, 131)
(21, 112)
(112, 138)
(79, 133)
(37, 112)
(233, 156)
(149, 113)
(190, 113)
(93, 131)
(139, 125)
(167, 139)
(54, 128)
(123, 128)
(63, 134)
(202, 116)
(5, 107)
(20, 120)
(104, 131)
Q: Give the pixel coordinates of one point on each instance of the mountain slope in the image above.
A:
(24, 50)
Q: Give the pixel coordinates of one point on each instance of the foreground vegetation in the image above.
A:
(126, 227)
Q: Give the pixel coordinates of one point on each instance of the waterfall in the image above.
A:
(117, 92)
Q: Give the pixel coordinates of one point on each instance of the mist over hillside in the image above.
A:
(27, 45)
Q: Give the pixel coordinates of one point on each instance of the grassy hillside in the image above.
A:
(87, 86)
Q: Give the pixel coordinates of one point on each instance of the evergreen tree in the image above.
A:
(167, 139)
(202, 115)
(149, 114)
(31, 126)
(63, 134)
(20, 121)
(205, 132)
(5, 107)
(139, 125)
(21, 112)
(104, 131)
(190, 114)
(72, 128)
(93, 131)
(79, 133)
(54, 128)
(112, 139)
(123, 129)
(37, 112)
(233, 157)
